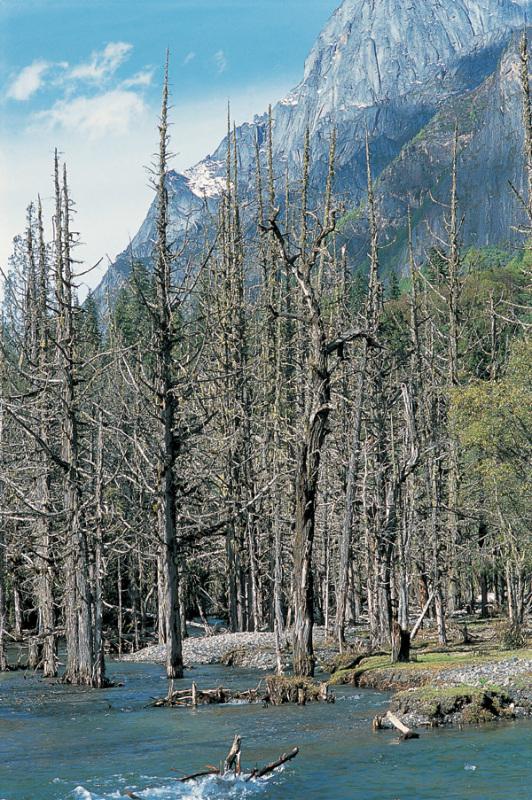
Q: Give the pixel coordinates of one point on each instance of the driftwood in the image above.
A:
(204, 774)
(280, 689)
(194, 697)
(404, 730)
(260, 773)
(232, 764)
(232, 759)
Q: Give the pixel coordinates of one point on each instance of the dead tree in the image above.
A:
(44, 472)
(166, 405)
(321, 361)
(371, 320)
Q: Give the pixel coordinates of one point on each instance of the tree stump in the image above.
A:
(400, 644)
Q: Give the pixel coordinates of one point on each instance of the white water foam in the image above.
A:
(209, 788)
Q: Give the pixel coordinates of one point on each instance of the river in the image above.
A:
(64, 743)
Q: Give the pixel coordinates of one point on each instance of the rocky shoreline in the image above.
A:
(452, 687)
(435, 693)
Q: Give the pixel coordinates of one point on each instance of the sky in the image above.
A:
(85, 76)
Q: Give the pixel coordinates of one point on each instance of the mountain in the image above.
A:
(490, 158)
(393, 67)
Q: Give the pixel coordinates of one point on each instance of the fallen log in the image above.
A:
(419, 621)
(405, 731)
(260, 773)
(232, 763)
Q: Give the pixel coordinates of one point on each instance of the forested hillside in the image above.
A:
(261, 432)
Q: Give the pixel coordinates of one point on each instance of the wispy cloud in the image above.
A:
(142, 78)
(189, 57)
(28, 81)
(220, 59)
(102, 63)
(111, 113)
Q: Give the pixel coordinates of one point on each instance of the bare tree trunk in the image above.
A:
(78, 597)
(351, 486)
(45, 592)
(17, 613)
(3, 615)
(161, 613)
(167, 410)
(99, 657)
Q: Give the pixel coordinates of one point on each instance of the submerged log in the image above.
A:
(204, 774)
(260, 773)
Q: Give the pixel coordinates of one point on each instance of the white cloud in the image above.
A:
(106, 114)
(28, 81)
(107, 176)
(102, 63)
(142, 78)
(189, 57)
(220, 59)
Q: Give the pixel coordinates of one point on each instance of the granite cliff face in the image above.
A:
(391, 67)
(489, 121)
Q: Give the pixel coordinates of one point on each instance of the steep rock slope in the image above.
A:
(489, 121)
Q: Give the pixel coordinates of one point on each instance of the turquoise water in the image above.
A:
(61, 743)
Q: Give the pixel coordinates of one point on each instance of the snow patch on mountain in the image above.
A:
(206, 178)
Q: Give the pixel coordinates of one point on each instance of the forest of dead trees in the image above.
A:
(257, 429)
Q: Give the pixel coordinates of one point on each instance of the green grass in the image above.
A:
(429, 660)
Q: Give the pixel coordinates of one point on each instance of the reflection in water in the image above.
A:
(66, 743)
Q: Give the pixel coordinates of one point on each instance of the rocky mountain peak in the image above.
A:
(386, 66)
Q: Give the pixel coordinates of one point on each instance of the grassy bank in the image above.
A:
(464, 683)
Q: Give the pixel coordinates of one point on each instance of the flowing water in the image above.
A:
(62, 743)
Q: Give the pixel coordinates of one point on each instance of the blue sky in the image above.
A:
(85, 76)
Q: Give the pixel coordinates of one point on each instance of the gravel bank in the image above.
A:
(248, 650)
(472, 694)
(502, 673)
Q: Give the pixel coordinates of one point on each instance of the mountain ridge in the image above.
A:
(381, 65)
